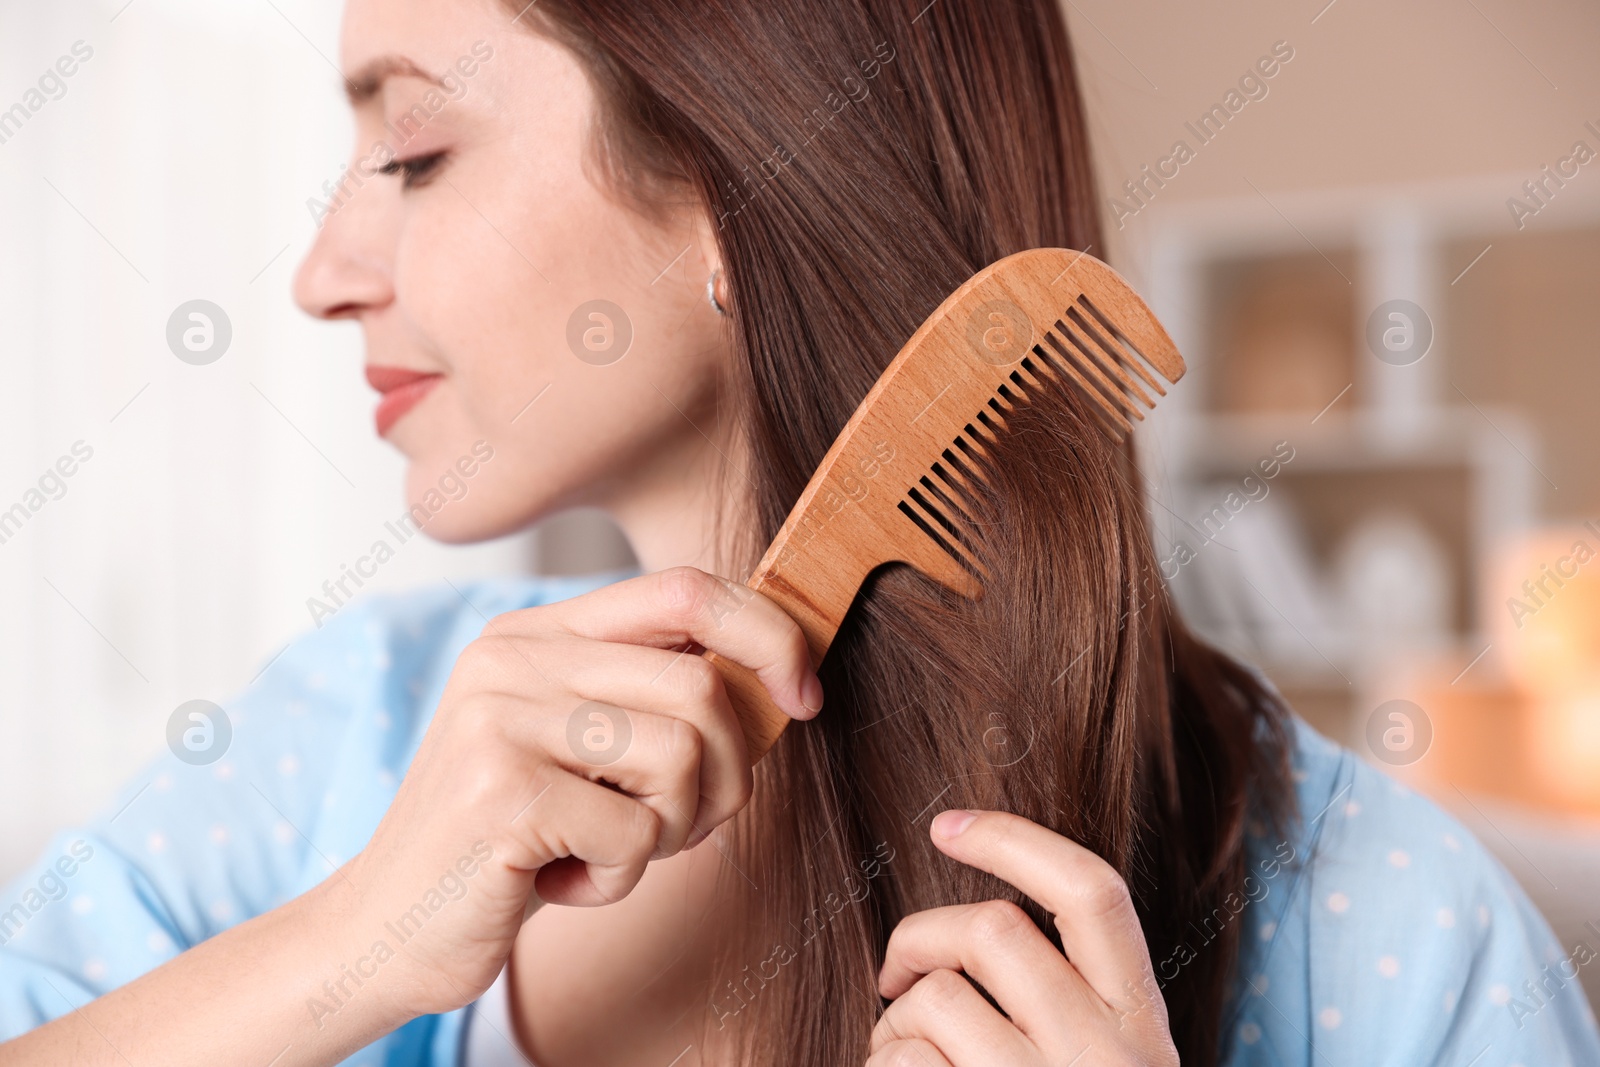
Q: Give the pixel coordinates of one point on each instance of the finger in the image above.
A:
(996, 943)
(613, 836)
(622, 676)
(675, 607)
(674, 684)
(911, 1053)
(945, 1010)
(656, 759)
(1093, 910)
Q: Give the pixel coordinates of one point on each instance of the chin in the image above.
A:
(475, 494)
(451, 497)
(464, 529)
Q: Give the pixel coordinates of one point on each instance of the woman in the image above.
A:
(647, 256)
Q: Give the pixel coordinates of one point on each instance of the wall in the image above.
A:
(218, 498)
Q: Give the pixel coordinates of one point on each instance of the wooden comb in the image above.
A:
(886, 490)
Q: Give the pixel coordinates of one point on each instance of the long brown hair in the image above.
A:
(862, 158)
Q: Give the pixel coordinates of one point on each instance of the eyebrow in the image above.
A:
(367, 82)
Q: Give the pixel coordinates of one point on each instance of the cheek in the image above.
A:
(465, 293)
(492, 276)
(493, 267)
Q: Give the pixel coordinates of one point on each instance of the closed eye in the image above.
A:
(416, 171)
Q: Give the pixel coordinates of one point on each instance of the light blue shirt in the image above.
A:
(1401, 941)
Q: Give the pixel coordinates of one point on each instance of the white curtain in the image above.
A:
(174, 164)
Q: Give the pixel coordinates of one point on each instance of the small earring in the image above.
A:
(711, 292)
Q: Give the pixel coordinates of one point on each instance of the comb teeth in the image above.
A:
(1087, 352)
(1084, 352)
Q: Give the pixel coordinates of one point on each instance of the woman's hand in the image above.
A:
(1096, 1005)
(504, 797)
(574, 743)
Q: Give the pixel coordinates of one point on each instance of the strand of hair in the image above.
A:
(981, 437)
(977, 455)
(933, 535)
(1063, 362)
(946, 503)
(959, 478)
(942, 519)
(1036, 377)
(1104, 415)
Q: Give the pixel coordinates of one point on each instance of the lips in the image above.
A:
(402, 390)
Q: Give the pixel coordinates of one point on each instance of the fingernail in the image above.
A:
(694, 839)
(811, 693)
(950, 823)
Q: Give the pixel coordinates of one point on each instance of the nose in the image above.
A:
(348, 270)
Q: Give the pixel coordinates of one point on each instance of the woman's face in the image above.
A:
(512, 303)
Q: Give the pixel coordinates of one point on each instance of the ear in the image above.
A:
(709, 251)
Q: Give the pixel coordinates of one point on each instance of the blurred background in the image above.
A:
(1373, 229)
